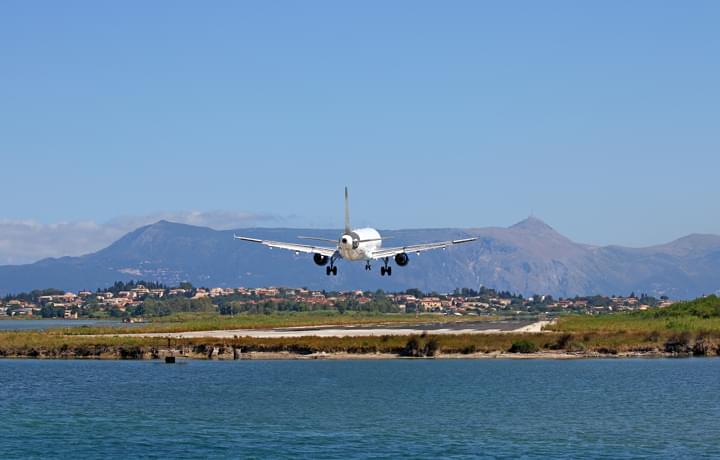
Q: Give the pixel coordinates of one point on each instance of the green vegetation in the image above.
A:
(33, 296)
(523, 346)
(236, 304)
(57, 344)
(704, 307)
(182, 322)
(630, 323)
(147, 299)
(119, 286)
(420, 347)
(683, 328)
(696, 316)
(154, 307)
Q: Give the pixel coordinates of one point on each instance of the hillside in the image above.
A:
(529, 257)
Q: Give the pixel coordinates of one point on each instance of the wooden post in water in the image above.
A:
(171, 358)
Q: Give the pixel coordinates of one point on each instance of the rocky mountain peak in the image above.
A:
(533, 225)
(529, 257)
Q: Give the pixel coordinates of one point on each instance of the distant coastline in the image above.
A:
(682, 329)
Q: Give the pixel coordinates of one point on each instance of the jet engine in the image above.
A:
(402, 259)
(320, 259)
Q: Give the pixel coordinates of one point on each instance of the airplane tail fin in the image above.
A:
(347, 213)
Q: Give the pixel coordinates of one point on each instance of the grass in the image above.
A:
(635, 324)
(683, 327)
(23, 342)
(185, 322)
(55, 343)
(699, 316)
(679, 328)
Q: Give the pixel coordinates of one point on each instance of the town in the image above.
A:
(135, 301)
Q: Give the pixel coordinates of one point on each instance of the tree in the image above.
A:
(49, 311)
(414, 292)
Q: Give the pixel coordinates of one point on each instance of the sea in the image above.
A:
(361, 409)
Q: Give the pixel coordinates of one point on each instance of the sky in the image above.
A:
(600, 118)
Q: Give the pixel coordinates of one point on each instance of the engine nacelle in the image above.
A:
(320, 259)
(402, 259)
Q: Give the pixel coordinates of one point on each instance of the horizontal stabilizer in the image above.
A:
(244, 238)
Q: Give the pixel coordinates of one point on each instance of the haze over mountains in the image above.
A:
(529, 257)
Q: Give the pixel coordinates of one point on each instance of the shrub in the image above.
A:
(562, 342)
(705, 307)
(705, 345)
(653, 336)
(607, 351)
(678, 343)
(415, 348)
(523, 346)
(700, 348)
(130, 352)
(469, 349)
(431, 347)
(412, 347)
(575, 347)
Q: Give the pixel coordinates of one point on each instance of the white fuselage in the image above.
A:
(359, 244)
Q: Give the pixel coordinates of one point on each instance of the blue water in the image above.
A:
(361, 409)
(43, 324)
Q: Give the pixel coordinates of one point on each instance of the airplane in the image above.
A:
(361, 244)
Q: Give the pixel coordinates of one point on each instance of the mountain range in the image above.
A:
(529, 257)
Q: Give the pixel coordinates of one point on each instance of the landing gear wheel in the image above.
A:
(334, 271)
(327, 271)
(386, 269)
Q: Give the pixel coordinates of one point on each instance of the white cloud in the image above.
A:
(219, 220)
(26, 241)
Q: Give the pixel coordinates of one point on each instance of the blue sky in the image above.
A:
(601, 118)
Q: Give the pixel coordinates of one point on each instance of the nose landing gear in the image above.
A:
(368, 267)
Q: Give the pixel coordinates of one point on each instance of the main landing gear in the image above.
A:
(331, 269)
(386, 268)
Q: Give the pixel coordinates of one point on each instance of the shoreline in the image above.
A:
(500, 340)
(236, 354)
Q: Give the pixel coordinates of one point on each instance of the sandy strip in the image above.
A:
(534, 327)
(334, 332)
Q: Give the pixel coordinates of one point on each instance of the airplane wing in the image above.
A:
(306, 248)
(390, 252)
